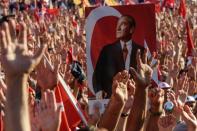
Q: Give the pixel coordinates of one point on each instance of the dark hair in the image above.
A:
(130, 19)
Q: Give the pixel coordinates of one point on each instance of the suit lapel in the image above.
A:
(119, 55)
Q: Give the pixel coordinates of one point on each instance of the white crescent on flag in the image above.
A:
(91, 21)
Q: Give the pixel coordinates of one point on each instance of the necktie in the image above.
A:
(125, 52)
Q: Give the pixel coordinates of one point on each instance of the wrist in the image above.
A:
(15, 81)
(117, 101)
(16, 76)
(156, 107)
(156, 111)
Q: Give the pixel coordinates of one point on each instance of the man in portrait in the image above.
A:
(117, 56)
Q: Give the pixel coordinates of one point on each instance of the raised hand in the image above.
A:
(142, 78)
(173, 69)
(47, 114)
(167, 123)
(118, 99)
(46, 76)
(192, 88)
(156, 96)
(119, 86)
(131, 91)
(189, 118)
(17, 65)
(177, 103)
(15, 58)
(182, 88)
(192, 73)
(144, 72)
(4, 4)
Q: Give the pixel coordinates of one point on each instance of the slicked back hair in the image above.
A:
(130, 19)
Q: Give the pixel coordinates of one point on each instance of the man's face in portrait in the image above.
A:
(124, 29)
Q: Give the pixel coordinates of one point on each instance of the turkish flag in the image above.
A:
(72, 115)
(190, 44)
(182, 9)
(64, 122)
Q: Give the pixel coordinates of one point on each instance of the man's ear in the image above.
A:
(132, 30)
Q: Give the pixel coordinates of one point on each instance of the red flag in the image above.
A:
(151, 1)
(36, 15)
(74, 23)
(129, 2)
(168, 3)
(157, 7)
(72, 109)
(53, 11)
(190, 44)
(182, 9)
(64, 122)
(71, 113)
(69, 56)
(157, 4)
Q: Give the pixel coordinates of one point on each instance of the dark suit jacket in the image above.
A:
(109, 63)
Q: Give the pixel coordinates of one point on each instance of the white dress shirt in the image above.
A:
(129, 48)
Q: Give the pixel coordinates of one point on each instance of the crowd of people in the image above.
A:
(41, 40)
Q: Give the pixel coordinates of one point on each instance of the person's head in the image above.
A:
(181, 63)
(125, 27)
(191, 102)
(166, 88)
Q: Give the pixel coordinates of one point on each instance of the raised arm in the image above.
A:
(142, 78)
(111, 116)
(17, 66)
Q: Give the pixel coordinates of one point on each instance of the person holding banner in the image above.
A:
(117, 56)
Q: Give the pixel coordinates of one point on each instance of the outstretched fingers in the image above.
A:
(23, 35)
(39, 55)
(3, 43)
(6, 29)
(12, 28)
(139, 61)
(145, 56)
